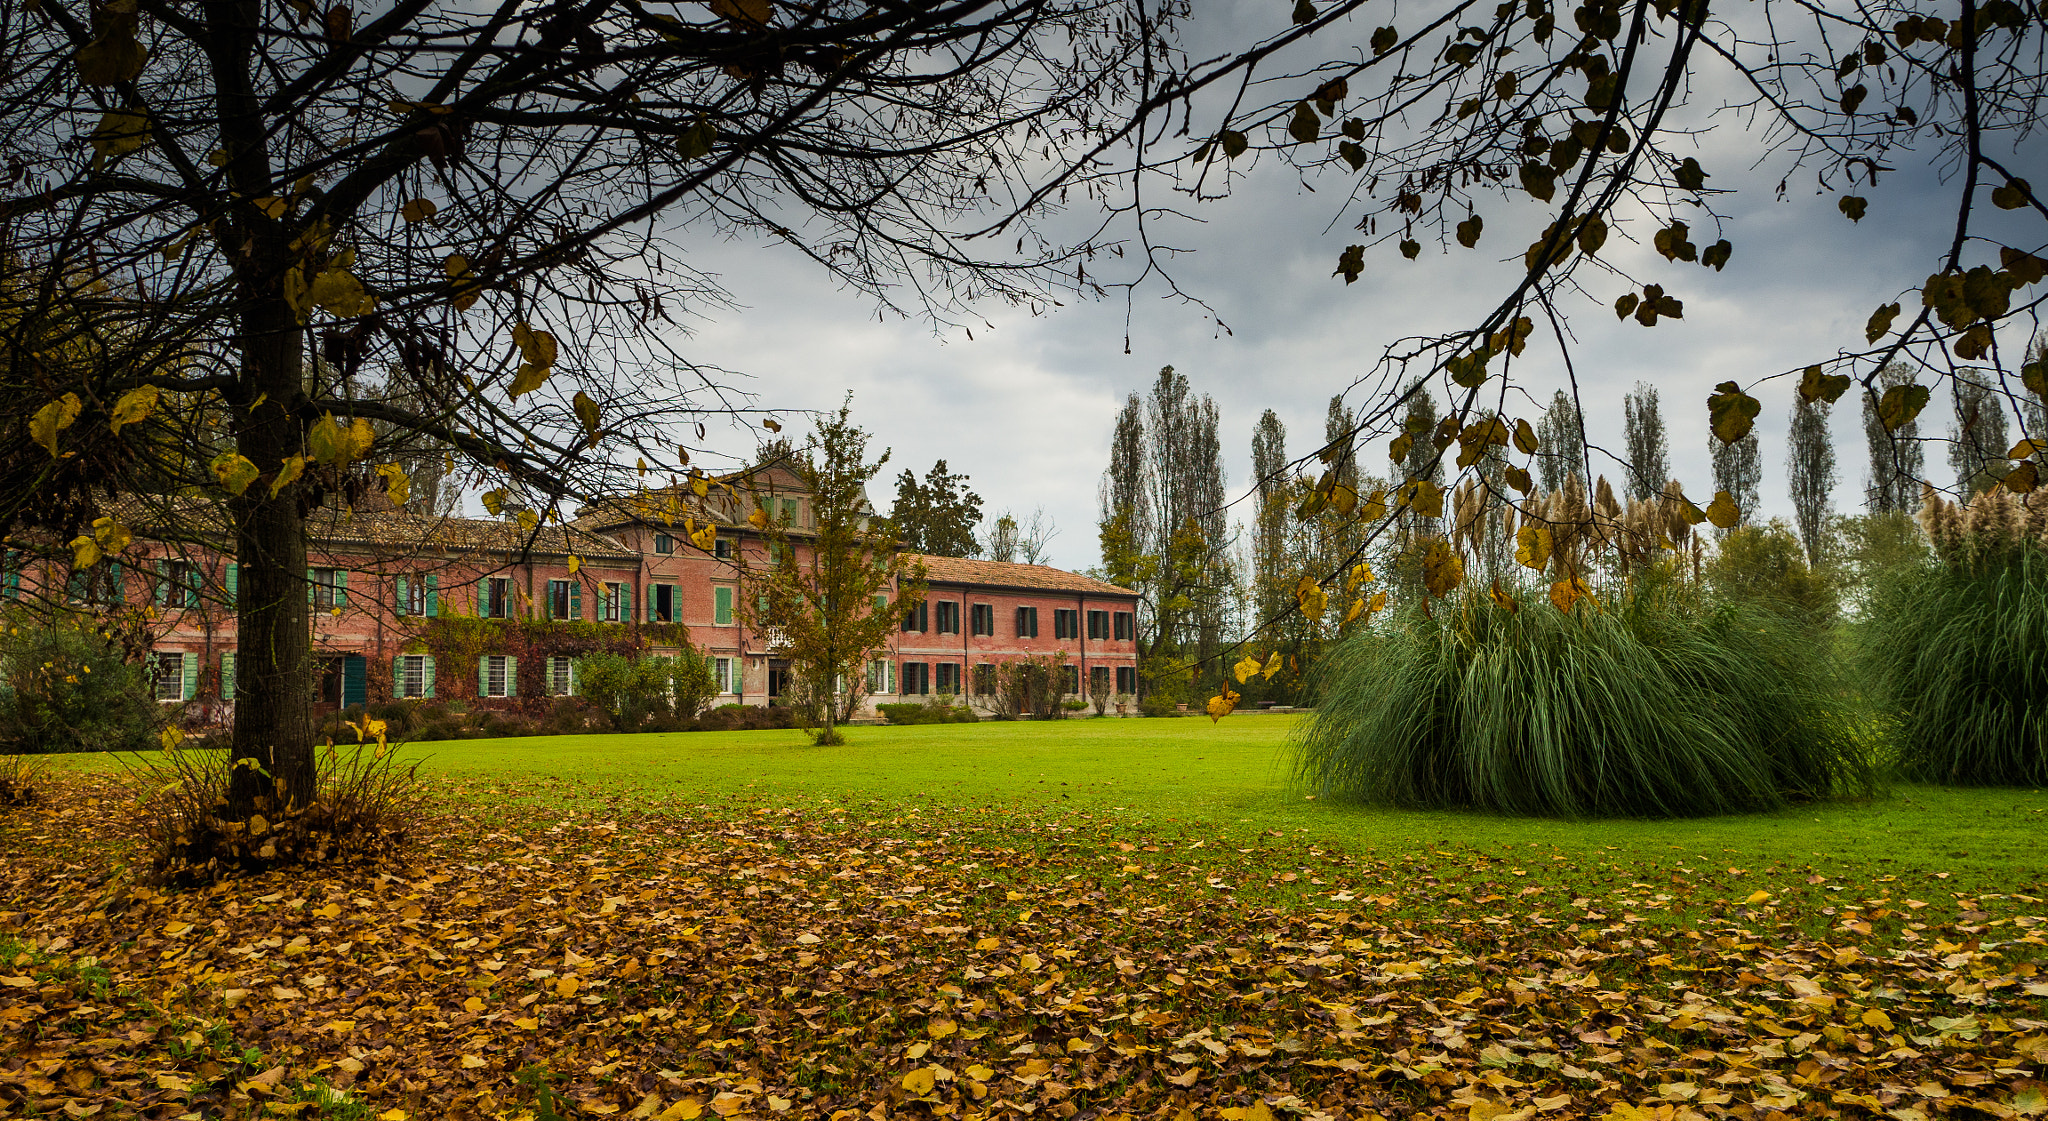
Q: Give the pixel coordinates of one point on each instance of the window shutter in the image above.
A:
(511, 677)
(483, 596)
(309, 587)
(227, 676)
(483, 676)
(340, 588)
(429, 675)
(433, 599)
(12, 580)
(575, 687)
(192, 583)
(234, 578)
(547, 605)
(711, 671)
(400, 585)
(191, 667)
(575, 601)
(163, 577)
(114, 572)
(651, 585)
(722, 606)
(398, 675)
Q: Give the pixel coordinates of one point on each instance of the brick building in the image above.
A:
(405, 606)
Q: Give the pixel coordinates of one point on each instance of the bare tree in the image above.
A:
(1896, 456)
(490, 202)
(1810, 471)
(1649, 452)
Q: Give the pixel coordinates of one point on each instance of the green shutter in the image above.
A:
(576, 601)
(190, 662)
(193, 585)
(575, 686)
(483, 596)
(309, 587)
(483, 675)
(114, 572)
(234, 579)
(433, 599)
(340, 587)
(429, 675)
(398, 582)
(511, 677)
(163, 577)
(650, 601)
(227, 676)
(398, 675)
(721, 599)
(881, 604)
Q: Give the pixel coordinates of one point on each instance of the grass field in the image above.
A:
(1124, 917)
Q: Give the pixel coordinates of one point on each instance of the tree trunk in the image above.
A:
(273, 662)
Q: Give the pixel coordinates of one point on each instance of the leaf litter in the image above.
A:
(990, 962)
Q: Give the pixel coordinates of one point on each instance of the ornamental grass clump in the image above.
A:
(1622, 692)
(1956, 650)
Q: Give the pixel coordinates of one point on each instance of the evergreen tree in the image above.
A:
(1649, 453)
(1810, 469)
(1897, 462)
(1270, 519)
(936, 516)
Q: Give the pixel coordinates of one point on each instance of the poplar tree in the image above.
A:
(1649, 453)
(1810, 472)
(1897, 460)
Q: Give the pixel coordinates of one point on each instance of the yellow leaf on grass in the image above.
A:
(472, 1062)
(526, 1023)
(393, 1115)
(1757, 897)
(567, 986)
(473, 1004)
(1877, 1019)
(941, 1028)
(919, 1081)
(689, 1109)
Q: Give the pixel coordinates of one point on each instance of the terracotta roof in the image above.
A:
(383, 531)
(1002, 574)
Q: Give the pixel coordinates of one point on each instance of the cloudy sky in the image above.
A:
(1026, 409)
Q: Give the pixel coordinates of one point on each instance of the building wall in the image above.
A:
(968, 649)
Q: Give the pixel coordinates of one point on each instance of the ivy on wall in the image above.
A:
(457, 641)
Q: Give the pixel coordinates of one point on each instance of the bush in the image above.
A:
(636, 691)
(67, 688)
(1767, 564)
(1953, 648)
(1655, 705)
(21, 781)
(744, 718)
(366, 807)
(917, 712)
(1159, 704)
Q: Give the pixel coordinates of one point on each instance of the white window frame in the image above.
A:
(176, 679)
(561, 676)
(412, 677)
(497, 675)
(724, 675)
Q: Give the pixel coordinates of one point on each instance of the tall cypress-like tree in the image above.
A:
(1810, 470)
(938, 515)
(1978, 438)
(1649, 452)
(1897, 460)
(1269, 523)
(1562, 433)
(1739, 470)
(1420, 422)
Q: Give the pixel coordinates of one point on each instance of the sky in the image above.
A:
(1026, 406)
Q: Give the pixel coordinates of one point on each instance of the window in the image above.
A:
(497, 676)
(722, 548)
(917, 619)
(917, 678)
(789, 511)
(615, 604)
(774, 551)
(1073, 678)
(177, 584)
(948, 677)
(985, 678)
(565, 600)
(561, 676)
(1027, 622)
(1066, 623)
(1125, 630)
(721, 606)
(881, 676)
(984, 618)
(417, 595)
(1126, 678)
(1098, 624)
(1098, 680)
(663, 543)
(329, 588)
(725, 675)
(661, 603)
(494, 597)
(412, 676)
(168, 682)
(949, 617)
(98, 586)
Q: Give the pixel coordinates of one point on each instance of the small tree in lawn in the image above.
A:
(832, 605)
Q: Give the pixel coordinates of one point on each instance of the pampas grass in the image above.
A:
(1649, 703)
(1956, 651)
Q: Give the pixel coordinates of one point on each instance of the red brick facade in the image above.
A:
(380, 582)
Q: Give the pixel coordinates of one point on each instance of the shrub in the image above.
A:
(745, 718)
(366, 807)
(635, 691)
(1953, 648)
(67, 688)
(21, 781)
(1652, 704)
(1767, 563)
(917, 712)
